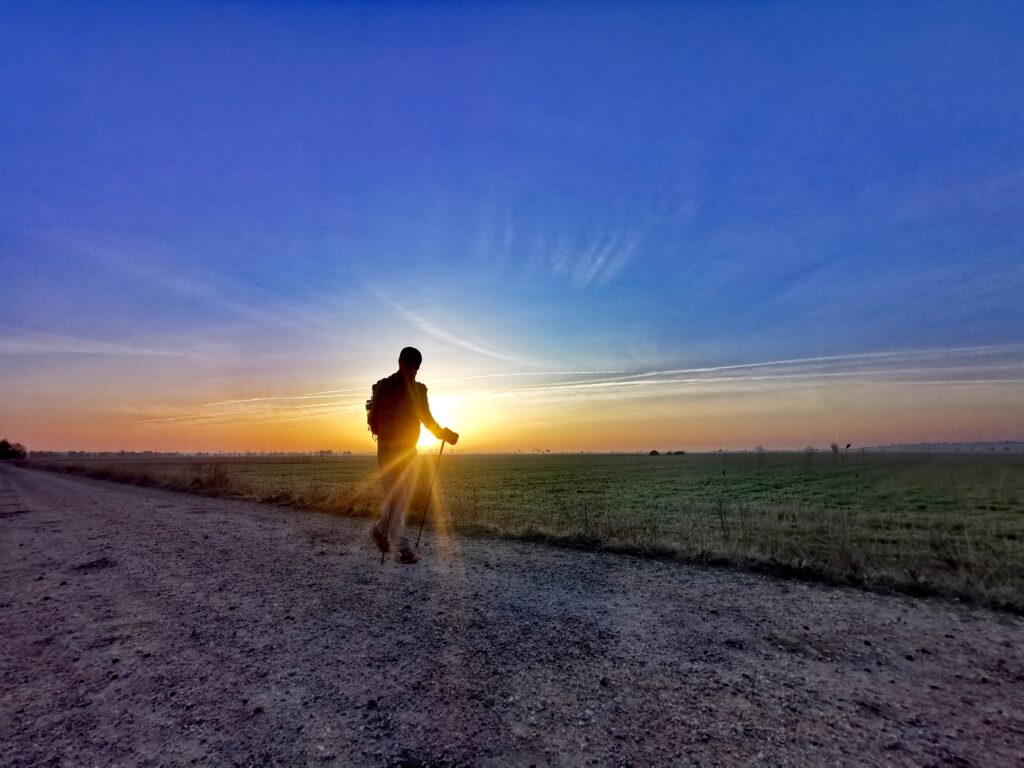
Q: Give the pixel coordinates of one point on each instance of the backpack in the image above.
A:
(373, 411)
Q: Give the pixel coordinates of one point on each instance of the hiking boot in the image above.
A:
(380, 539)
(408, 557)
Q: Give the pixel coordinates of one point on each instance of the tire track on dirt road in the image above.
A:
(147, 627)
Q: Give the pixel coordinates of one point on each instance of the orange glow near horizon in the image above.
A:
(858, 412)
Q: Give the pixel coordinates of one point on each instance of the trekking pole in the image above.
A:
(384, 552)
(429, 492)
(387, 527)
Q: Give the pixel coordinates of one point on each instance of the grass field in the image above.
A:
(945, 524)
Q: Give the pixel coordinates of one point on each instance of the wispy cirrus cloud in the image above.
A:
(14, 342)
(519, 374)
(958, 365)
(161, 265)
(258, 410)
(601, 260)
(180, 417)
(453, 340)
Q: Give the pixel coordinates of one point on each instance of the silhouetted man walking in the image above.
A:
(395, 412)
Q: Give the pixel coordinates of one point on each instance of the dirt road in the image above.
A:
(144, 627)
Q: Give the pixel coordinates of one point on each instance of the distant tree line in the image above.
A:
(9, 451)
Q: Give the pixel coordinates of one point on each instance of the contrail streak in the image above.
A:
(308, 396)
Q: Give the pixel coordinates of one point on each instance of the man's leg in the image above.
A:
(404, 487)
(385, 468)
(398, 470)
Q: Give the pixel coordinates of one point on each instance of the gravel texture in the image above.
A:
(145, 627)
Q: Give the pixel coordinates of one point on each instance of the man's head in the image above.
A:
(409, 360)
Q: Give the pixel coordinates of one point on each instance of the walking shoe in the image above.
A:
(408, 557)
(380, 539)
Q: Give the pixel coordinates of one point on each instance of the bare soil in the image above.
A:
(146, 627)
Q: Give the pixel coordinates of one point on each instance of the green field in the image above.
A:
(945, 524)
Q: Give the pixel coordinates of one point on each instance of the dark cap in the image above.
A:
(410, 356)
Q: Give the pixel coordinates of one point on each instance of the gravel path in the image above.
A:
(145, 627)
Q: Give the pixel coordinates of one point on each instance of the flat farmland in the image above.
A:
(943, 524)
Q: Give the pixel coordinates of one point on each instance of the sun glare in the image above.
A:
(442, 409)
(457, 411)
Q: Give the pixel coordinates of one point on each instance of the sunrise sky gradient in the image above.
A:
(608, 226)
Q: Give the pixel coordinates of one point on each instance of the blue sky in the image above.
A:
(219, 202)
